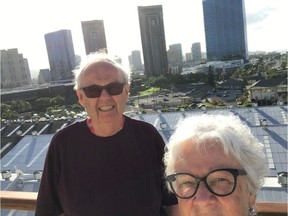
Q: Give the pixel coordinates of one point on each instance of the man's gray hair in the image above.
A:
(98, 58)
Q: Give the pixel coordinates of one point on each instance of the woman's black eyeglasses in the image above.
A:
(95, 91)
(221, 182)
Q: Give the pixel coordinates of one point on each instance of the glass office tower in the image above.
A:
(225, 29)
(61, 54)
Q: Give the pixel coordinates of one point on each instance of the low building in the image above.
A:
(269, 91)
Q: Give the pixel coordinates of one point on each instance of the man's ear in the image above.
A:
(126, 90)
(80, 97)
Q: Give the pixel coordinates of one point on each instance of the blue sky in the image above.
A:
(24, 23)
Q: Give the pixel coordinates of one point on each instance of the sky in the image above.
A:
(23, 24)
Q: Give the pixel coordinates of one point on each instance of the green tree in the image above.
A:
(149, 81)
(161, 82)
(273, 73)
(283, 65)
(21, 106)
(5, 108)
(41, 104)
(176, 79)
(7, 112)
(77, 107)
(58, 100)
(196, 77)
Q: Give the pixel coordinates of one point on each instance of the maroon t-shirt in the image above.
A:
(104, 176)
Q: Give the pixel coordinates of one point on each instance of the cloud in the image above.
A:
(258, 16)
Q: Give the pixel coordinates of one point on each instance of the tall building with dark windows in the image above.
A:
(225, 29)
(61, 54)
(94, 36)
(14, 69)
(153, 39)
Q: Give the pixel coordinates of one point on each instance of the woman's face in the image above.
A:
(204, 203)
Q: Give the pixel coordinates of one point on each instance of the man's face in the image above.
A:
(106, 108)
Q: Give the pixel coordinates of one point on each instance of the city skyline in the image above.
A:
(25, 28)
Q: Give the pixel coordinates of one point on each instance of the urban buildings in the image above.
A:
(196, 52)
(15, 70)
(225, 29)
(135, 61)
(175, 58)
(44, 76)
(153, 39)
(188, 57)
(94, 36)
(61, 54)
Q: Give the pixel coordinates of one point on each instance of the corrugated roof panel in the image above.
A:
(283, 157)
(28, 155)
(246, 115)
(272, 116)
(4, 184)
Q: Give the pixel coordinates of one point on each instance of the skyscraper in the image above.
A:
(15, 70)
(135, 60)
(61, 54)
(175, 57)
(196, 52)
(225, 29)
(153, 39)
(94, 36)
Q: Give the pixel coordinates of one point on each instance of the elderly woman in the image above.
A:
(215, 166)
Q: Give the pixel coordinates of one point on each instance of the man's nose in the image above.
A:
(104, 93)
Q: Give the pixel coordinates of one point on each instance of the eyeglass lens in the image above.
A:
(95, 91)
(218, 182)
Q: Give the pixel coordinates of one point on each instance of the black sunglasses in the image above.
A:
(95, 91)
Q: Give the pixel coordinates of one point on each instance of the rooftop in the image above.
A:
(23, 153)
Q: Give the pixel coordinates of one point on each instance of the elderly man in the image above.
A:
(107, 164)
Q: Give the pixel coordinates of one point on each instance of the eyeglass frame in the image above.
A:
(106, 87)
(234, 172)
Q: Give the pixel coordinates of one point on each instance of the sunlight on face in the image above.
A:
(105, 108)
(200, 163)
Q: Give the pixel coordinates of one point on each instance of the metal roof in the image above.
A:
(273, 136)
(29, 153)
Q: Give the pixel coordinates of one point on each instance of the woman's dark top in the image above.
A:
(121, 175)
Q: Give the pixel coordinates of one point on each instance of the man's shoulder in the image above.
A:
(142, 127)
(70, 128)
(138, 122)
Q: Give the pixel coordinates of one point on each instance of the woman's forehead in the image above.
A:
(207, 156)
